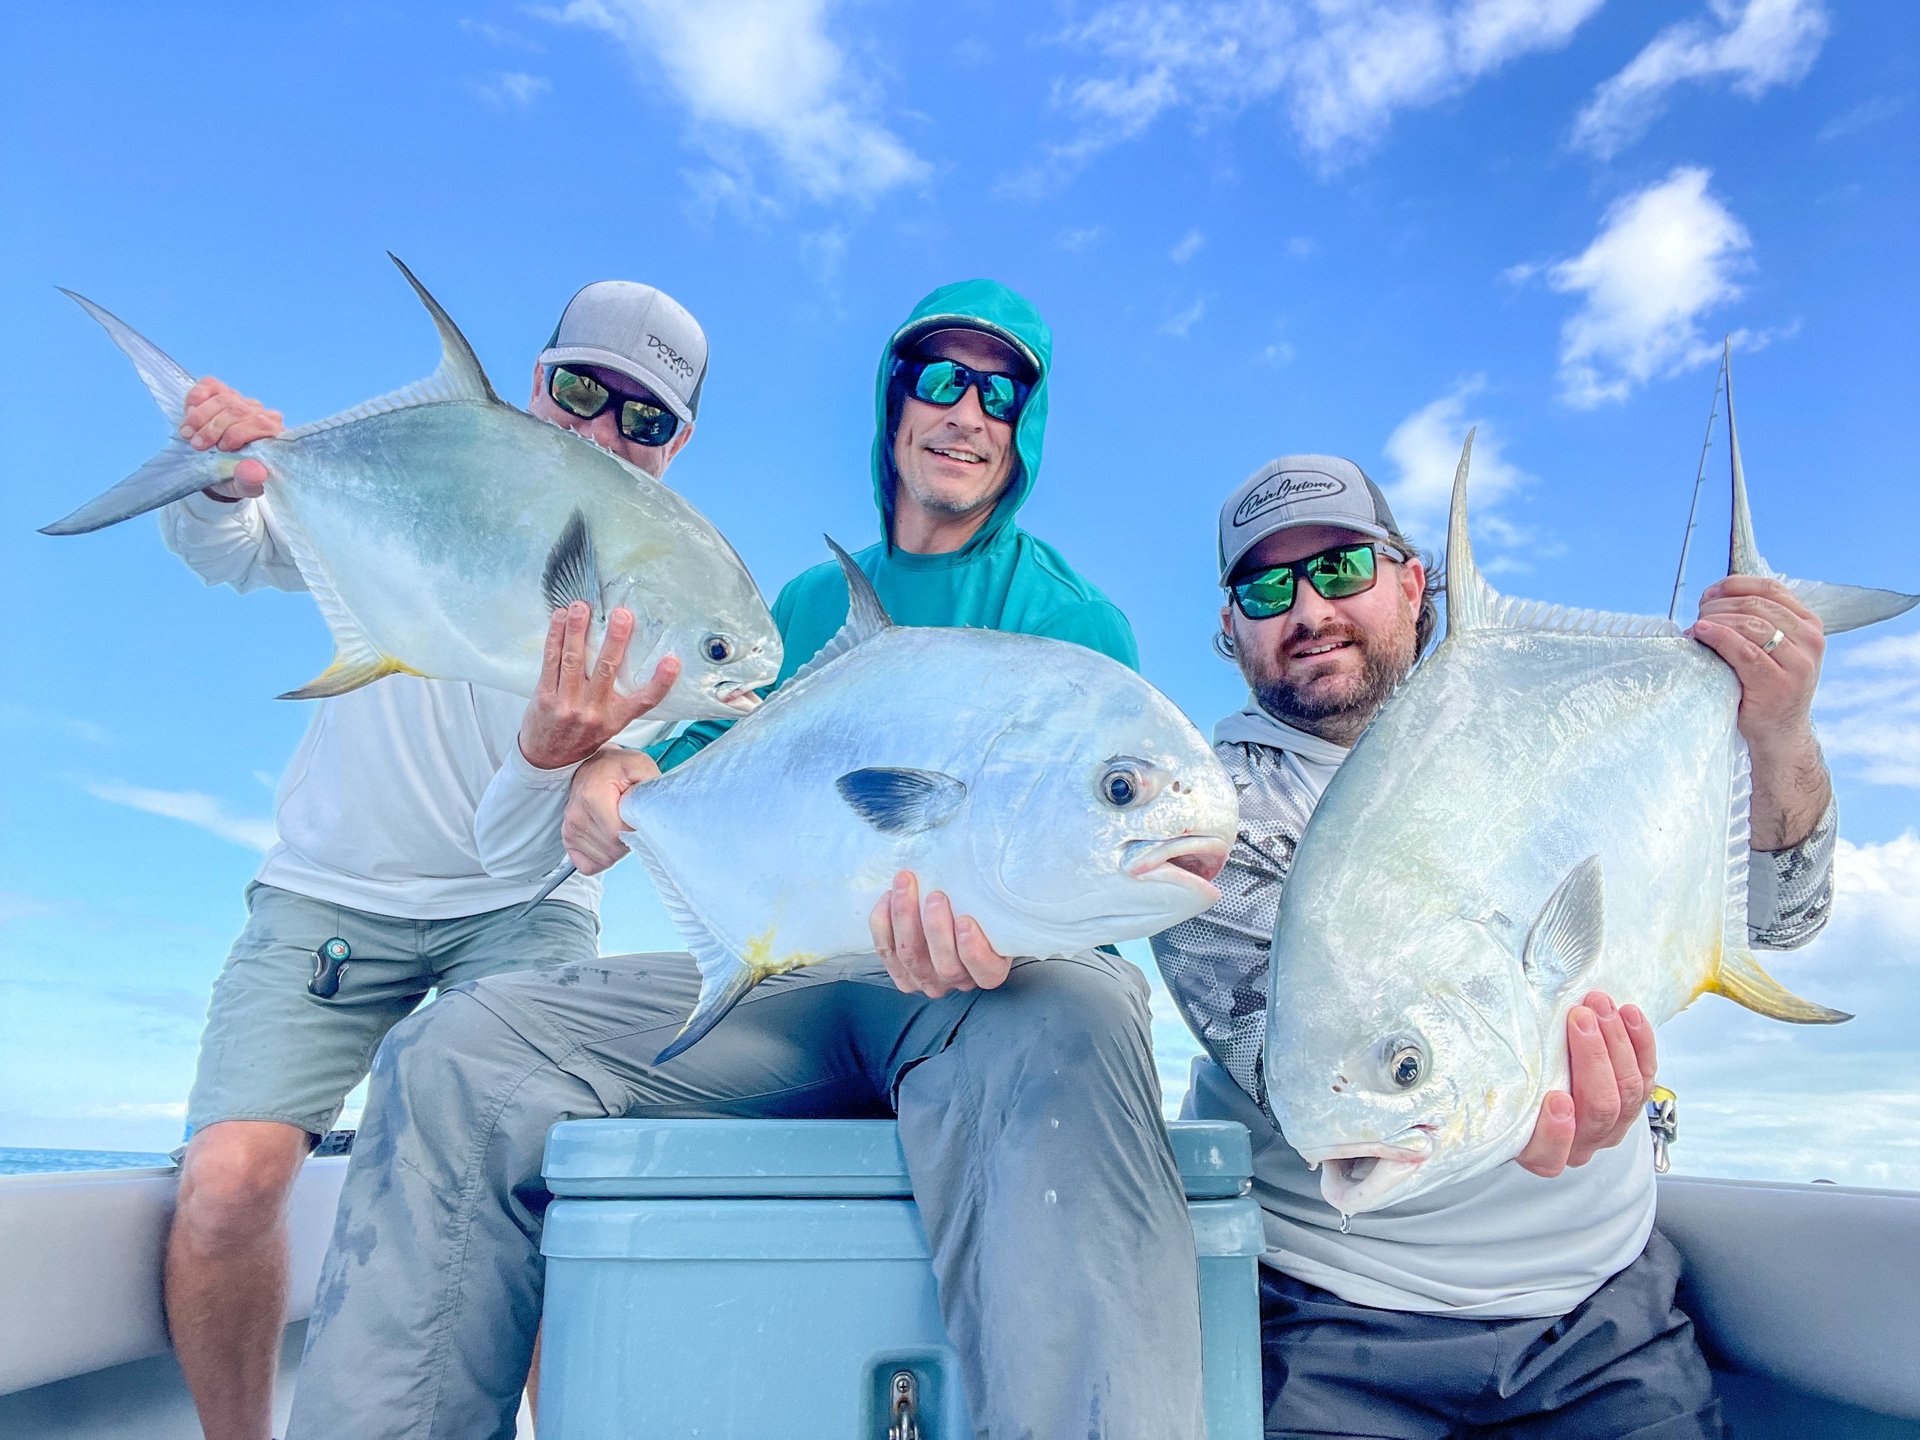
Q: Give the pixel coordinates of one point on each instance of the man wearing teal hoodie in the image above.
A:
(1077, 1317)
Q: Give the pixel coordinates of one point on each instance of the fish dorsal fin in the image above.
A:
(166, 380)
(901, 801)
(866, 616)
(1470, 600)
(1473, 604)
(459, 376)
(1566, 940)
(573, 568)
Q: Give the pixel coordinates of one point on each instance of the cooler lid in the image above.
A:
(794, 1158)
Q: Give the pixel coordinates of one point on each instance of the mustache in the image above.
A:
(1331, 631)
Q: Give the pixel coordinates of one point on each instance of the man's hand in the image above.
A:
(1611, 1057)
(1738, 618)
(930, 952)
(217, 414)
(575, 710)
(592, 827)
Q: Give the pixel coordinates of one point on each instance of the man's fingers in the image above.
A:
(1760, 586)
(1646, 1049)
(573, 650)
(912, 969)
(250, 479)
(633, 706)
(987, 967)
(943, 950)
(550, 656)
(613, 650)
(1596, 1091)
(248, 428)
(1552, 1141)
(1628, 1085)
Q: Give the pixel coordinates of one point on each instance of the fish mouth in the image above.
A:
(1190, 860)
(741, 702)
(1364, 1176)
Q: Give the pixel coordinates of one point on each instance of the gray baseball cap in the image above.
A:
(1298, 490)
(643, 333)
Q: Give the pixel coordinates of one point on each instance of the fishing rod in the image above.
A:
(1706, 444)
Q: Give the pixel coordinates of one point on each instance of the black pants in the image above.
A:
(1623, 1363)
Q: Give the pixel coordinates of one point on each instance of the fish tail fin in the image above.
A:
(177, 470)
(1741, 980)
(718, 995)
(1840, 607)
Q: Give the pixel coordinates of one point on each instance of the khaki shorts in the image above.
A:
(274, 1051)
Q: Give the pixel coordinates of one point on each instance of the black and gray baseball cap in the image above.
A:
(643, 333)
(1298, 490)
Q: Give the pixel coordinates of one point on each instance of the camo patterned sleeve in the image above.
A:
(1216, 963)
(1790, 892)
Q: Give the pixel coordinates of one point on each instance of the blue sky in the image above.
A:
(1260, 227)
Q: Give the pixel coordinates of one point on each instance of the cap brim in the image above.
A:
(1358, 527)
(912, 334)
(621, 364)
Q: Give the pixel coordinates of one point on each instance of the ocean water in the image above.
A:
(51, 1162)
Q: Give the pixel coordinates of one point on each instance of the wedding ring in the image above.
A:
(1773, 640)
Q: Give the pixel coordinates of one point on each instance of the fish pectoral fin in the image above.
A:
(1565, 942)
(573, 568)
(901, 801)
(349, 672)
(1741, 980)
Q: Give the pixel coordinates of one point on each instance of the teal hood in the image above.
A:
(1007, 315)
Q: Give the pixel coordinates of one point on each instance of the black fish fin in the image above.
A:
(901, 801)
(573, 569)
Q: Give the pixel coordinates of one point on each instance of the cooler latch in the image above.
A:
(903, 1404)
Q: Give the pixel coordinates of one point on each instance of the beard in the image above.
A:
(1334, 709)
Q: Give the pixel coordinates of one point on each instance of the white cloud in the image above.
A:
(1181, 322)
(1869, 709)
(1863, 116)
(192, 807)
(1340, 71)
(1754, 45)
(1188, 247)
(1425, 449)
(15, 716)
(1074, 241)
(513, 89)
(1280, 352)
(1664, 257)
(14, 906)
(765, 90)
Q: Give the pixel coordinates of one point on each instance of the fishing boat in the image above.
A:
(1804, 1295)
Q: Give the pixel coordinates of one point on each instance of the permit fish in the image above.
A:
(1052, 793)
(1555, 801)
(439, 527)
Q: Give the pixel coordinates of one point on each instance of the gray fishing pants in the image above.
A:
(1623, 1363)
(1030, 1116)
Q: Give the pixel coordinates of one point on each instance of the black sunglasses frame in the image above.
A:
(1299, 570)
(611, 396)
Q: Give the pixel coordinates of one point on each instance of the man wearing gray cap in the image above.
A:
(1511, 1303)
(374, 892)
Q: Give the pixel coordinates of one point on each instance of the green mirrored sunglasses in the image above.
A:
(1334, 574)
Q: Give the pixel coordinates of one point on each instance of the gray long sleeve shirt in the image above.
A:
(1498, 1245)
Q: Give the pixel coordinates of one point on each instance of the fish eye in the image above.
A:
(1406, 1064)
(1120, 786)
(717, 648)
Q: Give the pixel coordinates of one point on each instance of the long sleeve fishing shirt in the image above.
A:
(376, 809)
(1500, 1245)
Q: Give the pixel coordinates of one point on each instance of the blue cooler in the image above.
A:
(769, 1280)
